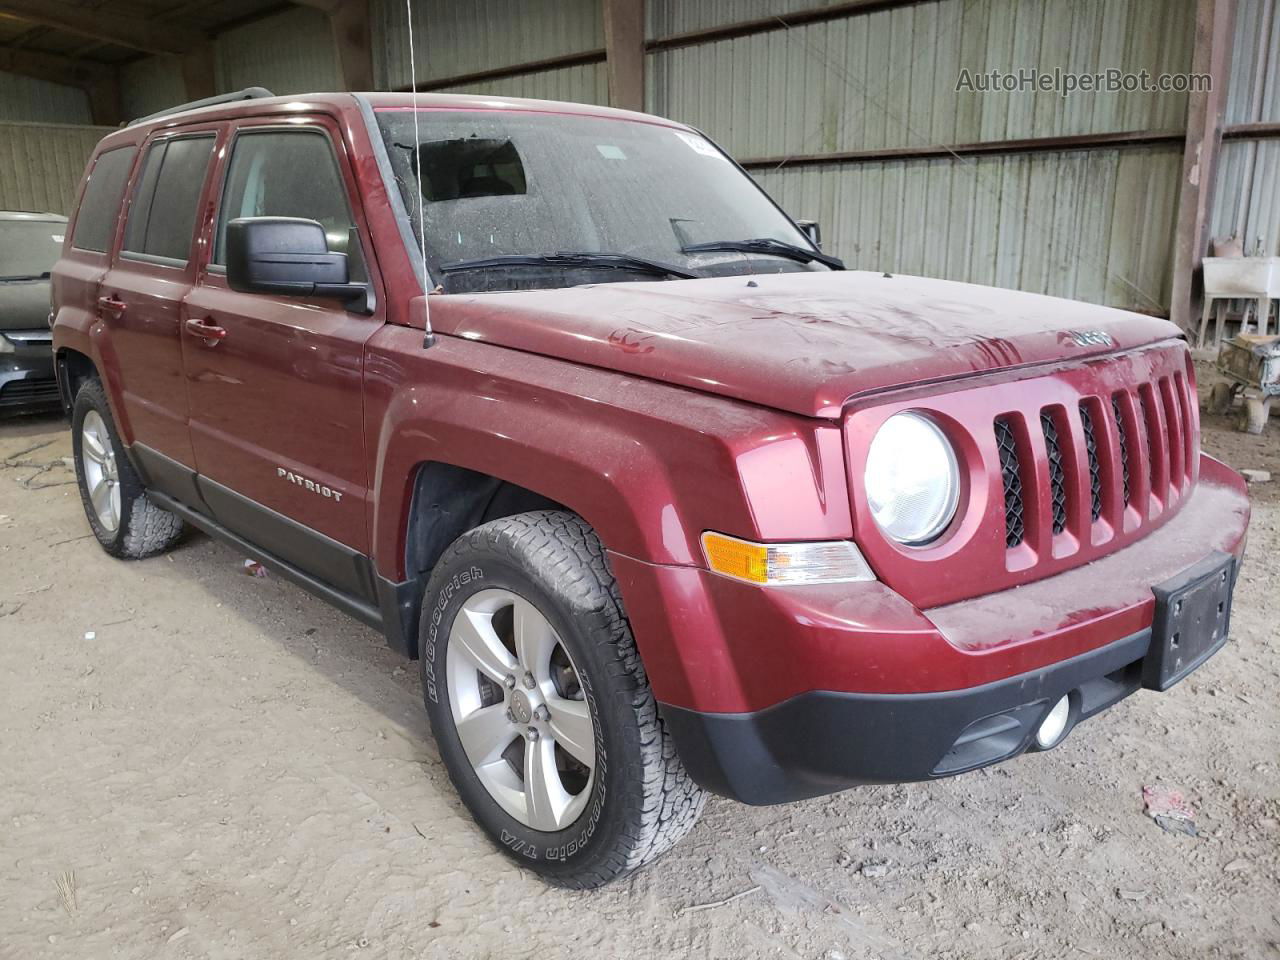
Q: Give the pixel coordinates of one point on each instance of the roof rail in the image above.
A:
(248, 93)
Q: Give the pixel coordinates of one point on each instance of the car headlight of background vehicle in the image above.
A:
(912, 479)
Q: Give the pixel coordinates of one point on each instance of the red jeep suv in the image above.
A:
(663, 499)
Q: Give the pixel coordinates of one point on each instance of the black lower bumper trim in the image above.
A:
(822, 742)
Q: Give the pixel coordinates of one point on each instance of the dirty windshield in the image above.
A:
(523, 200)
(29, 248)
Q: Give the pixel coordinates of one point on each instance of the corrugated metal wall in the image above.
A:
(452, 39)
(41, 164)
(28, 100)
(291, 52)
(1247, 198)
(1096, 225)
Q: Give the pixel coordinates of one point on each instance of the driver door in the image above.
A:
(276, 382)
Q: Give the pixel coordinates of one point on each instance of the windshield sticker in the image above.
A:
(699, 145)
(57, 237)
(610, 152)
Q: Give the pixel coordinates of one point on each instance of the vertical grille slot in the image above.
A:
(1123, 437)
(1057, 476)
(1176, 438)
(1011, 474)
(1144, 425)
(1095, 468)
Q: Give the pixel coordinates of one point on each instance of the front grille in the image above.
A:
(1138, 443)
(26, 392)
(1011, 474)
(1057, 476)
(1095, 468)
(1122, 438)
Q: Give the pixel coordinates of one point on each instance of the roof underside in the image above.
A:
(92, 30)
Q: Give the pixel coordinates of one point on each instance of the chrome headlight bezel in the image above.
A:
(911, 457)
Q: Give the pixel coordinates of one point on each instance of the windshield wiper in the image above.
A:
(766, 245)
(33, 276)
(615, 261)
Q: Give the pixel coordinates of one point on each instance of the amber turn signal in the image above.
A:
(778, 564)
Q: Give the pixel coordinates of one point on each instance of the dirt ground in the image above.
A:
(199, 763)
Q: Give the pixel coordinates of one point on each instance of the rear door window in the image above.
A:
(100, 205)
(289, 173)
(162, 215)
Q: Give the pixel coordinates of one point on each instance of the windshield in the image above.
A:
(522, 184)
(29, 248)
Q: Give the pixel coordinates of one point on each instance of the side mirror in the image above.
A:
(812, 231)
(287, 256)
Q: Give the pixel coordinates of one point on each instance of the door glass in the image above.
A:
(100, 206)
(289, 174)
(162, 216)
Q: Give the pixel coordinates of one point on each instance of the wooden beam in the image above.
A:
(624, 52)
(1086, 141)
(1251, 131)
(782, 21)
(199, 73)
(106, 106)
(1215, 21)
(54, 69)
(133, 32)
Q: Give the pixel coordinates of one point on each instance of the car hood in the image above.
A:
(24, 305)
(802, 342)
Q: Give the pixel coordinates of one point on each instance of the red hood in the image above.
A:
(801, 342)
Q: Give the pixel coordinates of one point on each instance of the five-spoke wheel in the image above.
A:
(519, 710)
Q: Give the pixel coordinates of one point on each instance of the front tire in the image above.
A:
(540, 706)
(125, 522)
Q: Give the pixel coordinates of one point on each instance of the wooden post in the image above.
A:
(105, 105)
(349, 20)
(1215, 22)
(624, 52)
(198, 72)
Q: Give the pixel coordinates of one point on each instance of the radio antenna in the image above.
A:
(428, 337)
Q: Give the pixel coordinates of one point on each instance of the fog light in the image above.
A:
(1054, 725)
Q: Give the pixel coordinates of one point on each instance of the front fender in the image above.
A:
(648, 465)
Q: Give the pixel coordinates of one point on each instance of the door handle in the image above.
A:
(206, 330)
(111, 307)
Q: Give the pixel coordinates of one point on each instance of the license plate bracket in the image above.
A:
(1192, 620)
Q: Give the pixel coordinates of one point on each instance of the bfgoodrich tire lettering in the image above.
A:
(640, 801)
(141, 528)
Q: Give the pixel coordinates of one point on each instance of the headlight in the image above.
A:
(912, 479)
(6, 345)
(780, 564)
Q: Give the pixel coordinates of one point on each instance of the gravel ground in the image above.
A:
(197, 763)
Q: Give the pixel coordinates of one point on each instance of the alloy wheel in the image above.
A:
(520, 711)
(101, 475)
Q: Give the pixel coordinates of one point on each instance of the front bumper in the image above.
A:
(27, 382)
(777, 695)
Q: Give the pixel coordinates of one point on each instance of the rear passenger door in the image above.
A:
(277, 398)
(140, 298)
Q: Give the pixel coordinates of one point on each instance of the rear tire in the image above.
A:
(126, 523)
(633, 798)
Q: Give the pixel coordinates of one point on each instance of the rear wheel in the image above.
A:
(540, 706)
(126, 523)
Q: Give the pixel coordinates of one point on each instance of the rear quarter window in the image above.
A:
(100, 204)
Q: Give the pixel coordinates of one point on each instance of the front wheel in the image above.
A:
(540, 706)
(123, 519)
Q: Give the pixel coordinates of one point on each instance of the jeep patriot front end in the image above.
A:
(662, 497)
